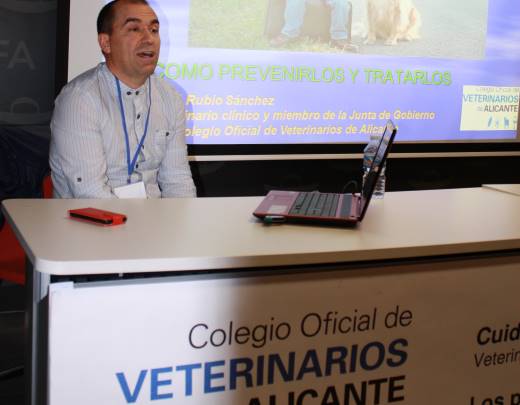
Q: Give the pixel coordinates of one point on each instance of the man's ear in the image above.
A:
(104, 43)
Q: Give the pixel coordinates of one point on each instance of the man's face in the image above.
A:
(132, 49)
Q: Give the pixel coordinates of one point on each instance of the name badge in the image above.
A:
(135, 190)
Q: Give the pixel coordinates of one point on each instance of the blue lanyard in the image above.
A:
(131, 163)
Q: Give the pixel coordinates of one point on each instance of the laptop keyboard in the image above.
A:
(315, 204)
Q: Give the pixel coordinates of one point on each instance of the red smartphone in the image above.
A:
(97, 216)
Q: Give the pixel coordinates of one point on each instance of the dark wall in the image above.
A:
(256, 177)
(27, 54)
(27, 89)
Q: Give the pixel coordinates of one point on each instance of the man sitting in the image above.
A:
(118, 130)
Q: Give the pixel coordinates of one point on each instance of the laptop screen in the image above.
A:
(378, 162)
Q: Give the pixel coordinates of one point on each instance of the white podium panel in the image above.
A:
(445, 332)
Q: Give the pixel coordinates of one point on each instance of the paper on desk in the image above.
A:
(505, 188)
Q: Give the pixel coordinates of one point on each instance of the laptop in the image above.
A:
(327, 208)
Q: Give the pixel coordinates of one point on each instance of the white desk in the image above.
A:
(220, 235)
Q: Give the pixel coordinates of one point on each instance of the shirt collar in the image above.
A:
(125, 90)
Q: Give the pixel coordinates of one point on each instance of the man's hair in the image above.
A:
(106, 16)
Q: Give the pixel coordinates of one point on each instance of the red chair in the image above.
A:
(12, 256)
(47, 187)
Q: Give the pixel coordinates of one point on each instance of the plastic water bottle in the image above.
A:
(368, 157)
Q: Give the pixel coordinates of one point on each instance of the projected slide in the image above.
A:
(443, 70)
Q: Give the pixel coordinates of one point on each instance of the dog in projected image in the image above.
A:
(392, 21)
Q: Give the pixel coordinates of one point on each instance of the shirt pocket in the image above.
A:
(159, 143)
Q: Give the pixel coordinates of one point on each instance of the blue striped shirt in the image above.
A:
(88, 150)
